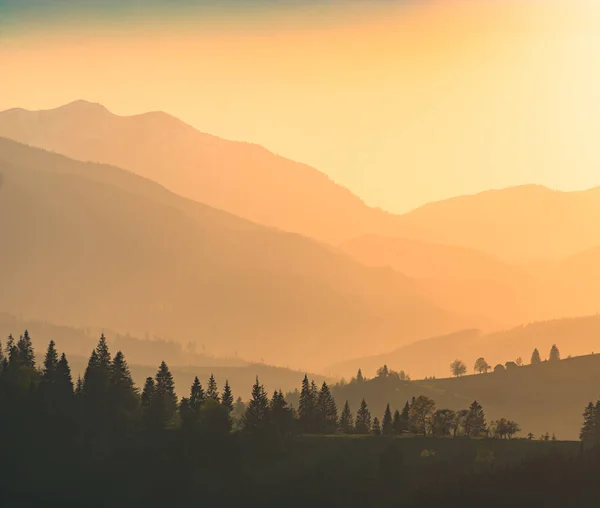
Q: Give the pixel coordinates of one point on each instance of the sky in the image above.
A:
(403, 102)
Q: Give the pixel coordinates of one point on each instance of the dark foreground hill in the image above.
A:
(91, 245)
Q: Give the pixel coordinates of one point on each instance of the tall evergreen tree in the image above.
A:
(50, 363)
(11, 350)
(346, 420)
(326, 411)
(280, 414)
(123, 397)
(227, 397)
(25, 351)
(212, 393)
(146, 402)
(397, 423)
(256, 414)
(64, 379)
(535, 357)
(359, 377)
(589, 429)
(387, 424)
(103, 353)
(376, 428)
(197, 396)
(554, 354)
(164, 400)
(363, 419)
(475, 424)
(307, 407)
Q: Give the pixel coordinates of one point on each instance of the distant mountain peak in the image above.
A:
(84, 106)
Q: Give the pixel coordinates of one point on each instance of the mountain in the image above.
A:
(517, 224)
(241, 178)
(468, 281)
(92, 245)
(432, 356)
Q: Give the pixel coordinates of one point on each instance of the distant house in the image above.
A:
(511, 365)
(499, 368)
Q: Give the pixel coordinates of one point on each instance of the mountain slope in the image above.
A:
(91, 245)
(244, 179)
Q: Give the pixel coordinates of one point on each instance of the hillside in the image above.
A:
(545, 398)
(432, 356)
(244, 179)
(96, 246)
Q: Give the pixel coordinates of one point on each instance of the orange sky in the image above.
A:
(403, 103)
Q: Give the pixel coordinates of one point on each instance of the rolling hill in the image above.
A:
(92, 245)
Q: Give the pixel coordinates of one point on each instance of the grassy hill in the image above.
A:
(91, 245)
(544, 398)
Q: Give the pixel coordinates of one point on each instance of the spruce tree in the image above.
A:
(397, 423)
(387, 424)
(64, 379)
(50, 363)
(405, 416)
(256, 414)
(475, 424)
(554, 354)
(164, 401)
(123, 396)
(146, 402)
(363, 419)
(103, 353)
(376, 428)
(212, 393)
(25, 351)
(227, 398)
(12, 351)
(326, 411)
(589, 430)
(346, 420)
(306, 407)
(359, 377)
(535, 357)
(280, 414)
(197, 396)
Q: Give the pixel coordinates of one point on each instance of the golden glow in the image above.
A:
(403, 104)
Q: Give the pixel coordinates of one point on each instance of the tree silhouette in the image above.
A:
(475, 424)
(26, 356)
(227, 397)
(363, 419)
(590, 429)
(164, 400)
(481, 366)
(421, 412)
(359, 377)
(387, 423)
(383, 371)
(326, 411)
(346, 420)
(535, 357)
(397, 423)
(256, 414)
(458, 368)
(376, 428)
(212, 393)
(554, 354)
(307, 407)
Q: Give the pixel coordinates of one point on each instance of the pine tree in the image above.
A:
(11, 350)
(326, 411)
(405, 416)
(164, 400)
(64, 379)
(146, 402)
(475, 421)
(227, 398)
(589, 429)
(346, 420)
(387, 427)
(535, 357)
(397, 423)
(359, 377)
(103, 353)
(212, 393)
(280, 414)
(258, 408)
(50, 364)
(376, 428)
(307, 407)
(363, 419)
(25, 351)
(554, 354)
(197, 396)
(123, 396)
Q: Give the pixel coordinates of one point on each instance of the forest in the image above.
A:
(151, 447)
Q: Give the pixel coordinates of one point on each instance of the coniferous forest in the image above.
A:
(99, 440)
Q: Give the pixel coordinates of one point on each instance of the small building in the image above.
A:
(511, 365)
(499, 368)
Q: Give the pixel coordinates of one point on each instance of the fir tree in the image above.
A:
(387, 424)
(103, 353)
(326, 411)
(405, 416)
(475, 424)
(12, 351)
(227, 398)
(257, 412)
(50, 363)
(346, 420)
(146, 402)
(554, 354)
(359, 377)
(363, 419)
(376, 428)
(397, 423)
(280, 414)
(197, 396)
(63, 377)
(123, 396)
(589, 429)
(535, 357)
(212, 392)
(164, 400)
(306, 407)
(25, 353)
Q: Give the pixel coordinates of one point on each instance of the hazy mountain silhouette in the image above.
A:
(241, 178)
(92, 245)
(432, 356)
